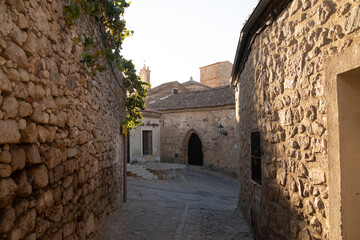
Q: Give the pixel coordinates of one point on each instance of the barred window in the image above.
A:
(255, 157)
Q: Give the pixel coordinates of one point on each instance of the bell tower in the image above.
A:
(145, 74)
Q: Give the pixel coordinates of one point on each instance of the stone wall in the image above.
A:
(293, 201)
(219, 151)
(60, 144)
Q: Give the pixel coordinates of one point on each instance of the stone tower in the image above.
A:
(216, 75)
(145, 74)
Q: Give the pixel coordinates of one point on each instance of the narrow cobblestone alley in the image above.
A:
(199, 206)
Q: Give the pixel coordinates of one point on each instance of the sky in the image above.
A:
(176, 38)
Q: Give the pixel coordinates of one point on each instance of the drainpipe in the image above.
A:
(124, 128)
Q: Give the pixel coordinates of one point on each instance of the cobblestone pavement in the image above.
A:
(199, 206)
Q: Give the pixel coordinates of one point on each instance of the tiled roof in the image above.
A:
(208, 98)
(192, 82)
(166, 85)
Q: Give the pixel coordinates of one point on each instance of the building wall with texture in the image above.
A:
(150, 122)
(216, 75)
(293, 201)
(220, 152)
(60, 144)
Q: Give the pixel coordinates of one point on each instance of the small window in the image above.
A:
(147, 142)
(175, 91)
(255, 157)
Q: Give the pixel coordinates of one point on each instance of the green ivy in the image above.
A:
(110, 14)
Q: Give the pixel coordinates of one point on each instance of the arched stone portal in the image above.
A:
(195, 155)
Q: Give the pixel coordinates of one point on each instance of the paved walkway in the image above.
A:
(198, 206)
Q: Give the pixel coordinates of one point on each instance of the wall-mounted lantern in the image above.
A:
(221, 130)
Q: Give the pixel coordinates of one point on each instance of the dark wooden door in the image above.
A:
(195, 155)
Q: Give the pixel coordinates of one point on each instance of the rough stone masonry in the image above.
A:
(60, 143)
(282, 94)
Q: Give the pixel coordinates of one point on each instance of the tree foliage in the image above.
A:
(110, 14)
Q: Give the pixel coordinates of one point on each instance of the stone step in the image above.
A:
(140, 172)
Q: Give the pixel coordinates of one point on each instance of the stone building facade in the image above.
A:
(296, 74)
(197, 115)
(216, 75)
(145, 138)
(61, 150)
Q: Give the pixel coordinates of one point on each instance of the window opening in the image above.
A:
(147, 142)
(255, 157)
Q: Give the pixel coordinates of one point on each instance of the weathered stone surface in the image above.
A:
(21, 205)
(286, 117)
(7, 193)
(41, 22)
(31, 46)
(90, 225)
(6, 23)
(16, 54)
(30, 134)
(16, 35)
(317, 176)
(46, 200)
(352, 22)
(54, 157)
(5, 157)
(18, 159)
(37, 112)
(27, 222)
(24, 109)
(5, 84)
(33, 155)
(23, 183)
(9, 132)
(7, 219)
(296, 201)
(5, 170)
(40, 174)
(10, 107)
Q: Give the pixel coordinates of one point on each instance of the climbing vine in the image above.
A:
(110, 15)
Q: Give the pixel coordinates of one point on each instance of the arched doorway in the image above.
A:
(195, 155)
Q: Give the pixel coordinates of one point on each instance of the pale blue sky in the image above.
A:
(176, 38)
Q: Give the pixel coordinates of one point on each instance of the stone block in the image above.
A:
(40, 175)
(21, 205)
(5, 84)
(18, 159)
(27, 222)
(33, 155)
(30, 134)
(7, 219)
(8, 190)
(5, 157)
(10, 107)
(6, 23)
(352, 22)
(24, 109)
(317, 176)
(90, 225)
(23, 183)
(5, 170)
(9, 132)
(14, 53)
